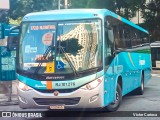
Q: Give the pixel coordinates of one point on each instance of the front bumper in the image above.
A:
(79, 98)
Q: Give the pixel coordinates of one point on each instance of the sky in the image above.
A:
(4, 4)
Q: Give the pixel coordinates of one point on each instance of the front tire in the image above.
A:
(116, 103)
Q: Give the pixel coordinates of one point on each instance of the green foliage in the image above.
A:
(109, 4)
(3, 16)
(19, 8)
(15, 22)
(125, 8)
(151, 14)
(78, 3)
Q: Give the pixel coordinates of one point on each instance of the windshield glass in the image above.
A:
(60, 48)
(35, 41)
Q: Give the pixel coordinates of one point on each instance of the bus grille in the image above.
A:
(62, 101)
(60, 91)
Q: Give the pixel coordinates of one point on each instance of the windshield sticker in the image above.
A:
(40, 58)
(59, 65)
(29, 49)
(43, 27)
(33, 64)
(47, 39)
(33, 49)
(50, 67)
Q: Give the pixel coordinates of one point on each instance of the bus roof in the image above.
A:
(155, 44)
(74, 14)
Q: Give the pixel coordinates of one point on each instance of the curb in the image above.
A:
(155, 75)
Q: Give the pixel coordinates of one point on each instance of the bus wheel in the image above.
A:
(116, 103)
(140, 89)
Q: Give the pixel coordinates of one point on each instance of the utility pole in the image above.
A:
(59, 4)
(138, 16)
(65, 4)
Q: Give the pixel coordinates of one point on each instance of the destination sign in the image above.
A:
(43, 27)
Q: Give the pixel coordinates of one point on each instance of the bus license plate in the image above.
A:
(56, 107)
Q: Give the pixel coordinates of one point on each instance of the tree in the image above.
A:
(109, 4)
(151, 14)
(128, 8)
(78, 4)
(3, 16)
(124, 8)
(19, 8)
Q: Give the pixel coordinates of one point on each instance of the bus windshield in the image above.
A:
(60, 47)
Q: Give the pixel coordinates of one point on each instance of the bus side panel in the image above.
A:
(142, 62)
(129, 66)
(109, 86)
(148, 69)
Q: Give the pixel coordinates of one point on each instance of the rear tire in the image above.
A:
(140, 90)
(115, 104)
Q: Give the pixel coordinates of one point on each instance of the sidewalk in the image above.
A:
(154, 71)
(5, 91)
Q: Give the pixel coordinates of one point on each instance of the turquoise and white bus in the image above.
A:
(80, 58)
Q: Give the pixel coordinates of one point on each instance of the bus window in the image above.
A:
(109, 43)
(144, 38)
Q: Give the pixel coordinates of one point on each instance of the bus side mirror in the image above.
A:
(12, 43)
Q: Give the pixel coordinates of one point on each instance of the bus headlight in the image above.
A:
(23, 86)
(92, 84)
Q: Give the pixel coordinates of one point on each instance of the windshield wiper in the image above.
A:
(68, 60)
(45, 55)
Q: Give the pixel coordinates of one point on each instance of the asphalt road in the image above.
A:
(150, 101)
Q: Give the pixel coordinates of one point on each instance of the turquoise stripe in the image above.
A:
(67, 84)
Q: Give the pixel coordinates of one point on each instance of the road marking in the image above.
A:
(156, 75)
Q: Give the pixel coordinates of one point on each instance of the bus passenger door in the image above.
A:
(109, 84)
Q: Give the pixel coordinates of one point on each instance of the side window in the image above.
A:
(126, 38)
(121, 42)
(109, 43)
(116, 36)
(137, 41)
(121, 34)
(133, 36)
(145, 38)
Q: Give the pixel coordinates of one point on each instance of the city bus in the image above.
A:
(155, 53)
(80, 58)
